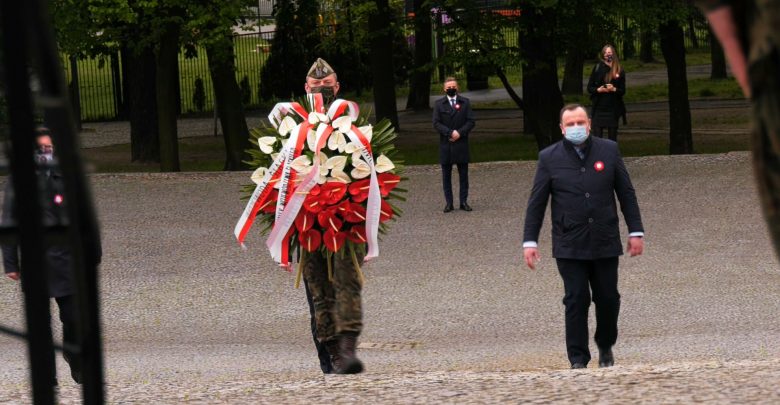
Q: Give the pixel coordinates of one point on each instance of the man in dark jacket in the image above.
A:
(453, 120)
(58, 257)
(583, 174)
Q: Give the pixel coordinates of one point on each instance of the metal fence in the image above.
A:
(100, 78)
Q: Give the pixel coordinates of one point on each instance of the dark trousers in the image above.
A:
(463, 174)
(599, 132)
(579, 278)
(67, 306)
(322, 351)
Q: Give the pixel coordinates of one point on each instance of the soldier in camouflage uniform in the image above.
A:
(336, 304)
(750, 33)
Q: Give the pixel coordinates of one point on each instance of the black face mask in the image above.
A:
(608, 58)
(328, 92)
(451, 92)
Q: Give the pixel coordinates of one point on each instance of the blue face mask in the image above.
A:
(576, 134)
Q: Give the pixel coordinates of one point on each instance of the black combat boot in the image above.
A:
(350, 364)
(335, 354)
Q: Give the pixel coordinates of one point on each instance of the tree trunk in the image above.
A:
(646, 46)
(629, 49)
(572, 73)
(141, 90)
(382, 63)
(718, 58)
(229, 107)
(543, 99)
(116, 79)
(75, 91)
(167, 61)
(673, 49)
(577, 44)
(692, 32)
(420, 83)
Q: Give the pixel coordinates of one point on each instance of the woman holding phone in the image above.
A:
(606, 86)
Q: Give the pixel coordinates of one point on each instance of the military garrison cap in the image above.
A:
(320, 69)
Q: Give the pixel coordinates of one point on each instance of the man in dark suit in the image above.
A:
(453, 120)
(60, 273)
(583, 174)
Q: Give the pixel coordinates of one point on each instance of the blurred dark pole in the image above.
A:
(15, 16)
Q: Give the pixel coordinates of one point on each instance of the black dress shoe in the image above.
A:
(606, 358)
(578, 365)
(465, 207)
(448, 208)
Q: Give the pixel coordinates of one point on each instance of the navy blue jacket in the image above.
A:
(583, 210)
(58, 257)
(445, 120)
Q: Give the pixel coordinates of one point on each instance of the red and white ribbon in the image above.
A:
(374, 201)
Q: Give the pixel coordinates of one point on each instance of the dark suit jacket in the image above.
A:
(58, 257)
(583, 210)
(445, 120)
(612, 102)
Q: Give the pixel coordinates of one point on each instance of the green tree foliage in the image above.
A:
(293, 49)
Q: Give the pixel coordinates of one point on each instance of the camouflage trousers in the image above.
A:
(765, 142)
(337, 303)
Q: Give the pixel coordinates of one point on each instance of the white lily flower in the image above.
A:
(383, 164)
(311, 140)
(336, 163)
(343, 123)
(367, 131)
(337, 141)
(315, 117)
(287, 125)
(339, 175)
(266, 144)
(361, 169)
(259, 174)
(351, 148)
(318, 136)
(301, 164)
(323, 169)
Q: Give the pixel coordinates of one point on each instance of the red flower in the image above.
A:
(310, 240)
(457, 106)
(387, 182)
(328, 220)
(304, 221)
(359, 190)
(332, 192)
(599, 166)
(334, 240)
(385, 212)
(269, 206)
(312, 201)
(355, 214)
(357, 234)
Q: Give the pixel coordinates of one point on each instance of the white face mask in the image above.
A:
(44, 157)
(576, 134)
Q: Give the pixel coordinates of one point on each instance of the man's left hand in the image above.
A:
(635, 246)
(455, 136)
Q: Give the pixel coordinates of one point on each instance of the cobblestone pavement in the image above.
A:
(451, 316)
